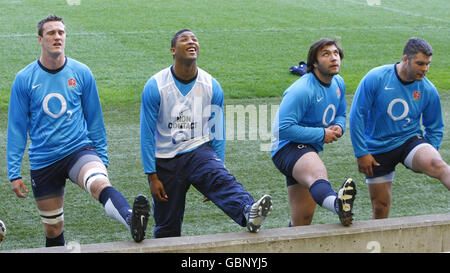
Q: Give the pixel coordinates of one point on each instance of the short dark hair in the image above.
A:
(49, 18)
(415, 45)
(316, 47)
(173, 42)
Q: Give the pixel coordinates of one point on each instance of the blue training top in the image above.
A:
(386, 112)
(308, 106)
(61, 112)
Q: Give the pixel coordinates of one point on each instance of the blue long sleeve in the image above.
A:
(291, 112)
(149, 114)
(432, 121)
(218, 142)
(17, 128)
(93, 115)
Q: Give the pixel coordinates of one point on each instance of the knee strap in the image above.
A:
(52, 217)
(91, 175)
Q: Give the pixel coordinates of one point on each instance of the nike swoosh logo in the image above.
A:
(34, 86)
(388, 88)
(318, 100)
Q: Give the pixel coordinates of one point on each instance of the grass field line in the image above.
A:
(403, 12)
(243, 30)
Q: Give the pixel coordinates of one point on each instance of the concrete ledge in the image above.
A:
(425, 234)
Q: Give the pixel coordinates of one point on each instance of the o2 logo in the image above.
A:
(63, 110)
(403, 115)
(326, 122)
(180, 136)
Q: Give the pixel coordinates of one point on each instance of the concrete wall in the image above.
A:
(425, 234)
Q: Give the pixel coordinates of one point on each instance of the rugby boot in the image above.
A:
(345, 199)
(139, 217)
(258, 212)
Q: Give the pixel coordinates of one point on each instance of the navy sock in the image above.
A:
(57, 241)
(323, 194)
(116, 206)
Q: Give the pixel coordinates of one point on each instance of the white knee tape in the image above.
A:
(91, 175)
(52, 217)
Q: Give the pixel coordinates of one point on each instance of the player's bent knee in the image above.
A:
(436, 168)
(95, 180)
(98, 186)
(438, 164)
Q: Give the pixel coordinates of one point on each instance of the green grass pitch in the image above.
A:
(248, 46)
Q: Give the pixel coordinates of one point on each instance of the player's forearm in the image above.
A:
(301, 134)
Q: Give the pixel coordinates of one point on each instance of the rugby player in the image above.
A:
(390, 106)
(183, 143)
(55, 100)
(311, 114)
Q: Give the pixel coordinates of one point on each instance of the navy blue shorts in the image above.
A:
(202, 169)
(389, 160)
(49, 182)
(287, 156)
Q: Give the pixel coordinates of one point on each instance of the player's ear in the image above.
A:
(405, 58)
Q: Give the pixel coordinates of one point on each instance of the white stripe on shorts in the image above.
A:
(409, 158)
(381, 179)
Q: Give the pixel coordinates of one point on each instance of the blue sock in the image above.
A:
(324, 195)
(116, 206)
(57, 241)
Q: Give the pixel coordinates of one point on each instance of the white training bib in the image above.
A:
(182, 120)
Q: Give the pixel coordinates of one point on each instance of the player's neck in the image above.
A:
(52, 62)
(401, 72)
(323, 78)
(185, 71)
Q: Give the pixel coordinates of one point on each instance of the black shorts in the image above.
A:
(287, 156)
(49, 182)
(389, 160)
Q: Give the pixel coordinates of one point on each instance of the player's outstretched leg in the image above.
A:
(139, 217)
(258, 212)
(345, 199)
